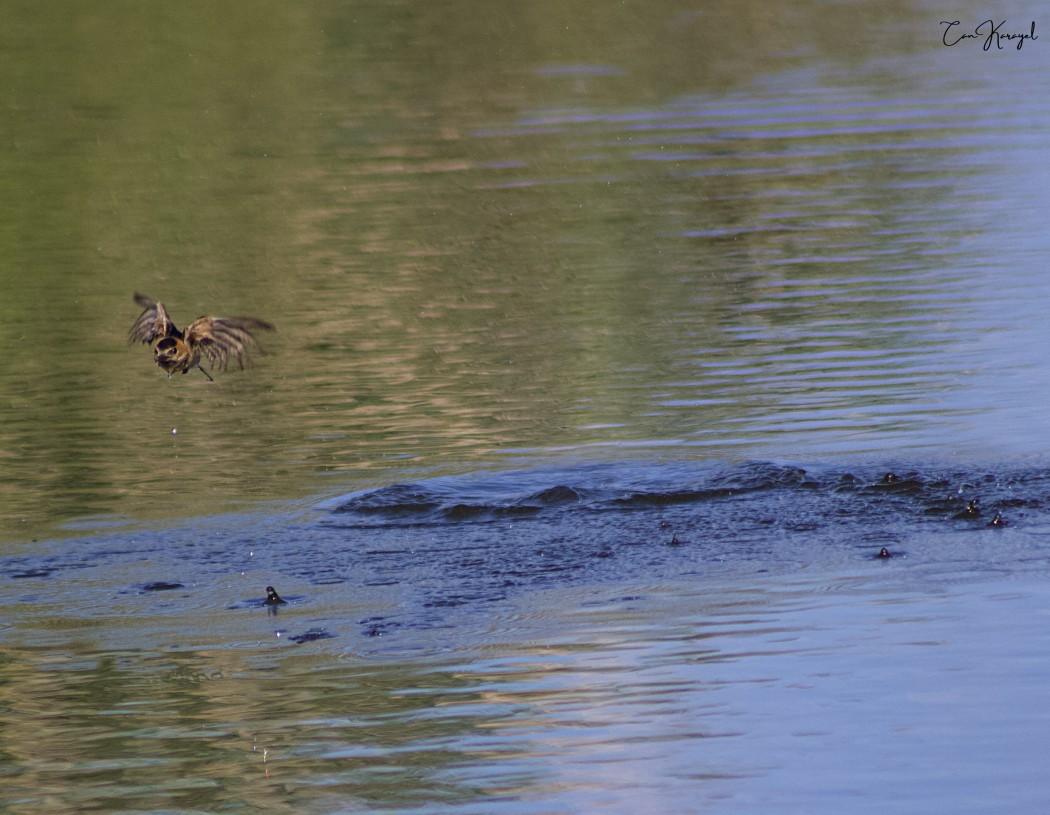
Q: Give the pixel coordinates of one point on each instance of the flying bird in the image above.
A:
(220, 339)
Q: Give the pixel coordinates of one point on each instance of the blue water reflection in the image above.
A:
(614, 345)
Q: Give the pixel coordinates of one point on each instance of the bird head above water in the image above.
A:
(273, 598)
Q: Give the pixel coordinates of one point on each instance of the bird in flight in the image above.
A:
(220, 339)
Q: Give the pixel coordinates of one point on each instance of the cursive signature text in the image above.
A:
(989, 31)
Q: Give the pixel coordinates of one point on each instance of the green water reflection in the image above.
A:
(478, 228)
(202, 732)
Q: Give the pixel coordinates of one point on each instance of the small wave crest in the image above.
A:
(835, 492)
(442, 503)
(824, 492)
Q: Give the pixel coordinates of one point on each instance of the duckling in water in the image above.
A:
(273, 598)
(972, 510)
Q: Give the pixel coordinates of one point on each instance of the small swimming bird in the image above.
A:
(272, 598)
(973, 510)
(220, 339)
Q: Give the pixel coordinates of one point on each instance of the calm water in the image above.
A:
(598, 332)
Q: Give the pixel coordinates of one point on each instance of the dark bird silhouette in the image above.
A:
(220, 339)
(973, 510)
(273, 598)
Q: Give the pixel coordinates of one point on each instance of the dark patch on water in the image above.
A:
(27, 567)
(159, 585)
(725, 498)
(412, 504)
(311, 635)
(612, 601)
(664, 522)
(378, 626)
(436, 550)
(25, 574)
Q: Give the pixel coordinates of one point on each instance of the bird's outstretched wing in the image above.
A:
(225, 338)
(152, 323)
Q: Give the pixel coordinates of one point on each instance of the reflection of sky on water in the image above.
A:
(1004, 261)
(563, 238)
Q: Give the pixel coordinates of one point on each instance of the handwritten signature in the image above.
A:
(987, 31)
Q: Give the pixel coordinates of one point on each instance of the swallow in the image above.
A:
(220, 339)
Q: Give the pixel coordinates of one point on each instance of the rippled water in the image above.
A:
(662, 638)
(784, 264)
(613, 347)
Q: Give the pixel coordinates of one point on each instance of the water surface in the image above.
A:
(753, 254)
(599, 333)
